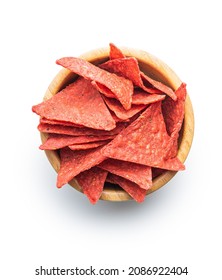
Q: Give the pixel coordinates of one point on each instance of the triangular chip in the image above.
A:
(142, 97)
(77, 131)
(56, 122)
(122, 88)
(158, 85)
(129, 68)
(58, 141)
(131, 188)
(86, 146)
(79, 103)
(104, 90)
(173, 113)
(115, 52)
(75, 162)
(115, 106)
(137, 173)
(92, 182)
(145, 141)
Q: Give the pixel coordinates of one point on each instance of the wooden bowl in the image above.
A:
(155, 68)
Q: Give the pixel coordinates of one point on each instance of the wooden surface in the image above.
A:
(156, 69)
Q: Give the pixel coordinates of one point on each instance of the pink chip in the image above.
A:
(137, 173)
(58, 141)
(131, 188)
(75, 162)
(122, 88)
(120, 112)
(92, 181)
(145, 141)
(115, 52)
(79, 103)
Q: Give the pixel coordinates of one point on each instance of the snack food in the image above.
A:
(124, 128)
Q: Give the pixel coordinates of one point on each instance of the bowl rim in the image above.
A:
(162, 71)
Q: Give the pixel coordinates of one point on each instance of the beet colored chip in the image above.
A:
(76, 131)
(79, 103)
(86, 146)
(58, 141)
(92, 182)
(142, 97)
(137, 173)
(118, 120)
(158, 85)
(104, 90)
(173, 112)
(129, 69)
(131, 188)
(144, 141)
(120, 112)
(115, 52)
(122, 88)
(75, 162)
(56, 122)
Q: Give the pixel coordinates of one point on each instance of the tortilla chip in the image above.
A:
(144, 141)
(131, 188)
(104, 90)
(120, 112)
(128, 68)
(173, 113)
(58, 141)
(137, 173)
(57, 122)
(115, 52)
(79, 103)
(92, 181)
(122, 88)
(158, 85)
(77, 131)
(86, 146)
(75, 162)
(142, 97)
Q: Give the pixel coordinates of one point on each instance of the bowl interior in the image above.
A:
(158, 70)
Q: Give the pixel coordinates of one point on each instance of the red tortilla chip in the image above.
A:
(120, 112)
(142, 97)
(122, 88)
(79, 103)
(128, 68)
(75, 162)
(115, 52)
(86, 146)
(144, 141)
(58, 141)
(56, 122)
(104, 90)
(92, 181)
(158, 85)
(173, 113)
(137, 173)
(77, 131)
(118, 120)
(131, 188)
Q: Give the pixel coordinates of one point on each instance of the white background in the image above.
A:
(178, 225)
